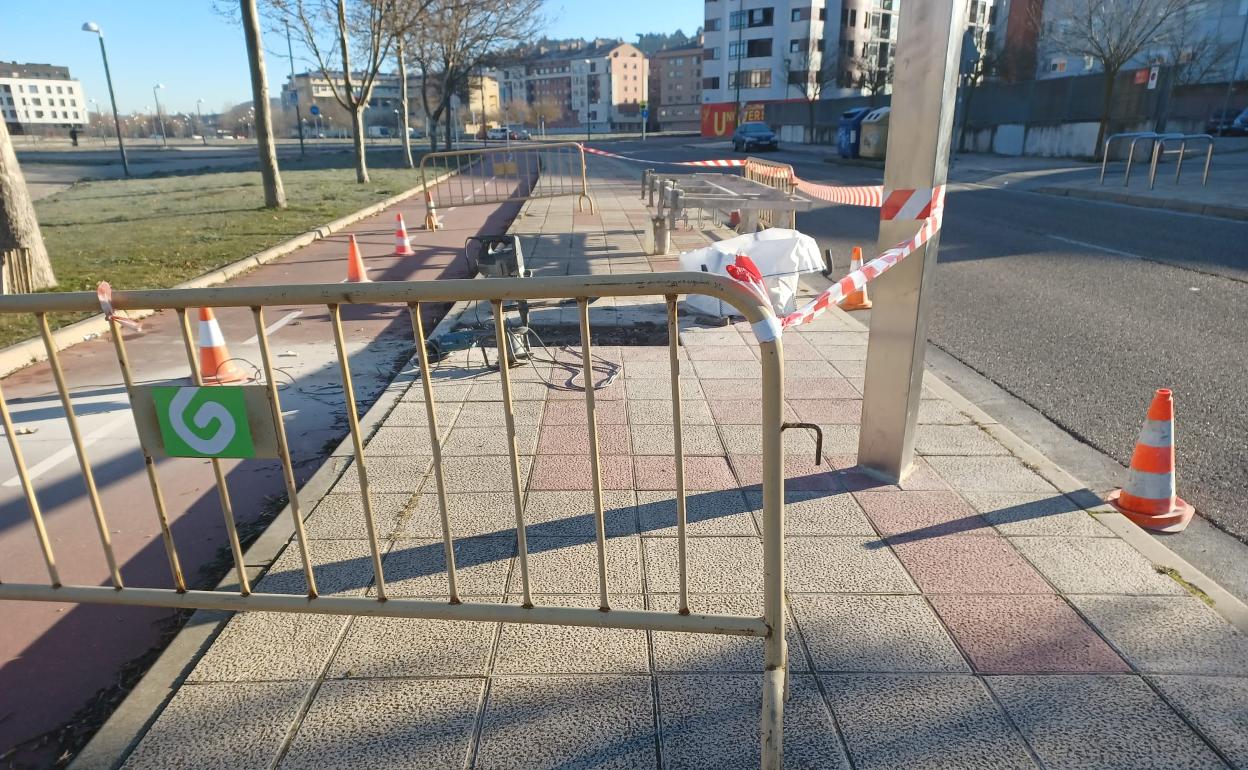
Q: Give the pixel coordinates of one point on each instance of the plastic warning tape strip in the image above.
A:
(717, 163)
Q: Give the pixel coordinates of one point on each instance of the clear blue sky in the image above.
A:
(198, 54)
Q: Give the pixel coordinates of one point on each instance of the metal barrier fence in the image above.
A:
(264, 417)
(779, 176)
(498, 174)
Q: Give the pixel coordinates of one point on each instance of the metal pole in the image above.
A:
(164, 140)
(199, 113)
(923, 96)
(740, 31)
(290, 54)
(1230, 82)
(112, 97)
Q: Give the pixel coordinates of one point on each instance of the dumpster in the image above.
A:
(847, 131)
(873, 134)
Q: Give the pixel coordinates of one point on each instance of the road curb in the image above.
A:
(19, 355)
(1141, 201)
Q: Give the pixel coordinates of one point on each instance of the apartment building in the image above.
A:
(675, 98)
(314, 88)
(599, 85)
(757, 51)
(36, 97)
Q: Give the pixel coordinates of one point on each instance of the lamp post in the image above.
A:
(159, 118)
(294, 90)
(199, 115)
(91, 26)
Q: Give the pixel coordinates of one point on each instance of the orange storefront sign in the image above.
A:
(719, 119)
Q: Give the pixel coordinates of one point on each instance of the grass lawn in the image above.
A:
(159, 231)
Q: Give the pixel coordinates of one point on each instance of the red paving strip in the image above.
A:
(67, 653)
(914, 515)
(1025, 635)
(968, 564)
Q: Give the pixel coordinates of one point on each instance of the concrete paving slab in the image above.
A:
(643, 390)
(401, 441)
(923, 721)
(221, 727)
(1168, 635)
(572, 472)
(417, 567)
(712, 353)
(732, 565)
(338, 517)
(535, 723)
(917, 515)
(393, 475)
(572, 412)
(811, 370)
(702, 474)
(470, 515)
(654, 412)
(409, 414)
(542, 649)
(574, 440)
(844, 565)
(569, 565)
(963, 564)
(486, 414)
(1106, 722)
(1216, 706)
(661, 440)
(743, 412)
(801, 474)
(857, 478)
(717, 653)
(934, 411)
(466, 441)
(1025, 634)
(1094, 565)
(959, 440)
(835, 411)
(749, 368)
(339, 567)
(521, 390)
(706, 513)
(404, 647)
(402, 724)
(481, 474)
(270, 646)
(1036, 514)
(817, 513)
(989, 474)
(711, 721)
(748, 440)
(572, 513)
(875, 634)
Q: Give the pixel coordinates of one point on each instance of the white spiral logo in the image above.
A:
(204, 416)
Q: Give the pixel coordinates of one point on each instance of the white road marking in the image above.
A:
(468, 197)
(63, 454)
(279, 323)
(1105, 249)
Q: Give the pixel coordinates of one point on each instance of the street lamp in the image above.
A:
(199, 114)
(159, 119)
(91, 26)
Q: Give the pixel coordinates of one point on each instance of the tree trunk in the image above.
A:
(25, 255)
(361, 163)
(274, 193)
(1106, 107)
(450, 129)
(404, 130)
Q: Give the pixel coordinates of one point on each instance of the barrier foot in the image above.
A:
(773, 719)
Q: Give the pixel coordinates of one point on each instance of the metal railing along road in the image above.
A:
(1159, 149)
(265, 417)
(498, 174)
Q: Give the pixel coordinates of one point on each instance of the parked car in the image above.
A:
(496, 133)
(1240, 126)
(754, 136)
(1221, 121)
(520, 133)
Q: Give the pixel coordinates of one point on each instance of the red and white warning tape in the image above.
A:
(717, 163)
(104, 293)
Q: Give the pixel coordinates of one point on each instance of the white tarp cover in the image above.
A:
(781, 255)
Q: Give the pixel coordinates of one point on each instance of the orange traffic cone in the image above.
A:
(431, 213)
(1149, 498)
(856, 300)
(214, 360)
(402, 244)
(355, 264)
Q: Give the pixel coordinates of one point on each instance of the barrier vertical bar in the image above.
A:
(32, 502)
(504, 361)
(591, 422)
(357, 446)
(928, 46)
(75, 435)
(162, 514)
(673, 340)
(223, 490)
(775, 649)
(435, 442)
(283, 449)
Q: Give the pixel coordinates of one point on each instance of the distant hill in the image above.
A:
(652, 42)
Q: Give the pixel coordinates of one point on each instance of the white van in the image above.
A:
(496, 133)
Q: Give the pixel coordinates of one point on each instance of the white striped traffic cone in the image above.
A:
(215, 364)
(1150, 498)
(431, 212)
(402, 244)
(856, 300)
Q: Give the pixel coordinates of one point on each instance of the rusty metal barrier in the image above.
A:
(499, 174)
(779, 176)
(265, 419)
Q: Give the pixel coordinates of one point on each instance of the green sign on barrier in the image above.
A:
(203, 421)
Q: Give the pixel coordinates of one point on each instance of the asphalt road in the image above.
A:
(1081, 309)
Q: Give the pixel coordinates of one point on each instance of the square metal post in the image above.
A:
(924, 91)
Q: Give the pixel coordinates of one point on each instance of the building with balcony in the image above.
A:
(38, 98)
(675, 98)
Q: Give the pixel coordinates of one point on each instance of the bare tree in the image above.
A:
(808, 74)
(350, 41)
(26, 264)
(1195, 54)
(548, 110)
(274, 193)
(459, 40)
(1110, 33)
(872, 77)
(518, 111)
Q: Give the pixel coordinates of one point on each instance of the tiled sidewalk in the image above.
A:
(972, 617)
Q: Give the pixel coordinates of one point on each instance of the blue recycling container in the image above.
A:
(849, 131)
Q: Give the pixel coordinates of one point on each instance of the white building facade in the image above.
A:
(40, 96)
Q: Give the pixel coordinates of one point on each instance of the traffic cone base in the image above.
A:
(215, 365)
(431, 213)
(402, 244)
(1175, 521)
(356, 273)
(856, 300)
